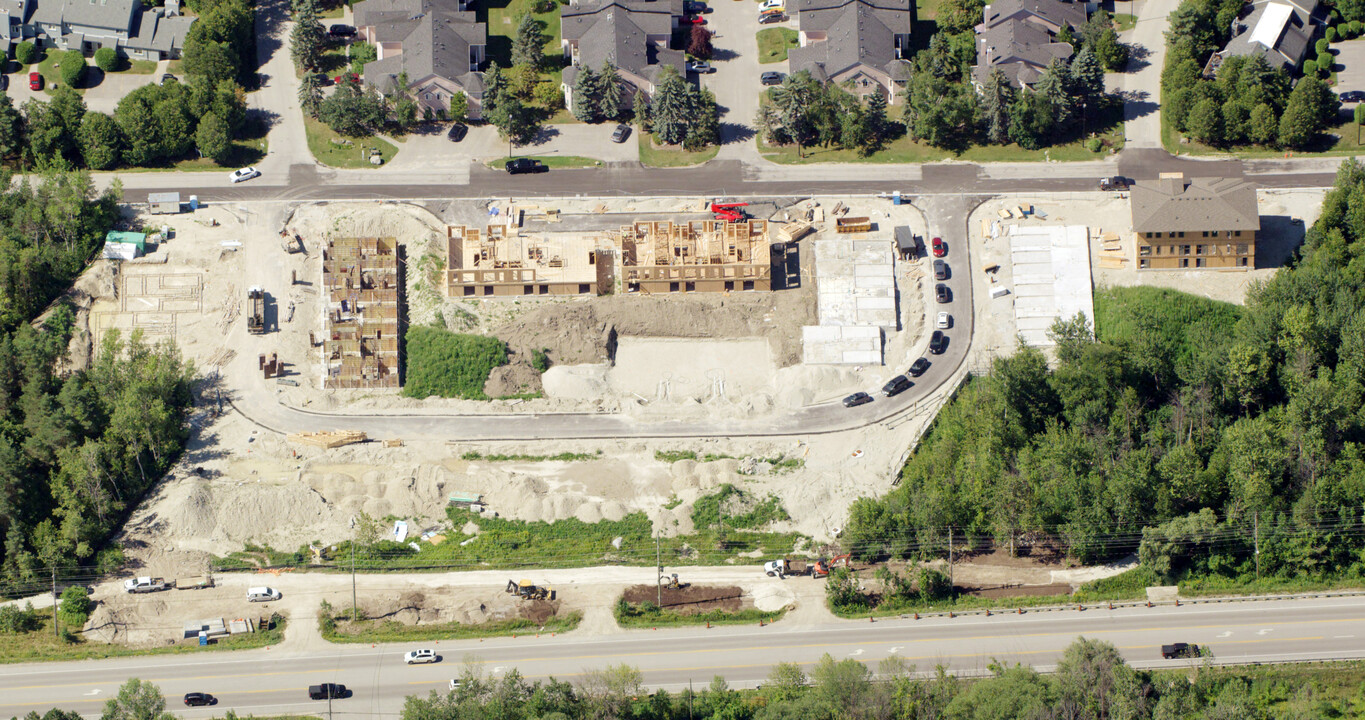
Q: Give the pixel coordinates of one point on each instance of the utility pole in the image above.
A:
(353, 603)
(1256, 534)
(55, 630)
(658, 573)
(950, 559)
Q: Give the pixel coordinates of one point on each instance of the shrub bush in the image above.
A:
(1325, 62)
(106, 59)
(1094, 144)
(72, 67)
(1321, 45)
(75, 608)
(549, 95)
(450, 364)
(1356, 27)
(14, 621)
(540, 360)
(1331, 34)
(25, 53)
(1310, 67)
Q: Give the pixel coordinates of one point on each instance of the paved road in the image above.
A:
(271, 681)
(1142, 79)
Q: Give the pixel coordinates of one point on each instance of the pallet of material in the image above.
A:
(793, 231)
(1115, 246)
(1115, 263)
(329, 439)
(1004, 214)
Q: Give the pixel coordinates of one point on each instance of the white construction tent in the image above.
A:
(1051, 271)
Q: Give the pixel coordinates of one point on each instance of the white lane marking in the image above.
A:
(1225, 633)
(96, 691)
(1343, 636)
(855, 653)
(1265, 631)
(894, 650)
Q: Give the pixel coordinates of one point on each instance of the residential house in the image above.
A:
(437, 44)
(1196, 223)
(1019, 38)
(1281, 31)
(861, 44)
(633, 34)
(132, 30)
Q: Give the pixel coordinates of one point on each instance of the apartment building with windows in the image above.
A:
(1184, 223)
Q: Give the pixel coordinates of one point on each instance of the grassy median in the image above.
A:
(40, 644)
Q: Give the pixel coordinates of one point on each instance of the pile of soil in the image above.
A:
(579, 332)
(1008, 591)
(690, 599)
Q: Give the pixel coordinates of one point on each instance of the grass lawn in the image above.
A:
(52, 77)
(551, 161)
(176, 67)
(1124, 22)
(42, 646)
(340, 629)
(905, 150)
(136, 67)
(927, 9)
(338, 155)
(652, 155)
(773, 44)
(502, 15)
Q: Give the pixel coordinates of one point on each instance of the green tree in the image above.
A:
(72, 67)
(308, 40)
(1312, 105)
(106, 59)
(221, 44)
(52, 129)
(11, 129)
(1205, 123)
(587, 96)
(671, 110)
(405, 113)
(362, 54)
(841, 590)
(212, 139)
(996, 98)
(1031, 120)
(875, 121)
(793, 101)
(136, 700)
(25, 53)
(705, 130)
(353, 111)
(101, 141)
(1263, 128)
(459, 107)
(516, 121)
(940, 113)
(494, 87)
(1087, 76)
(610, 104)
(528, 47)
(74, 610)
(310, 92)
(958, 16)
(640, 108)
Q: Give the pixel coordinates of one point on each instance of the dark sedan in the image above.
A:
(196, 699)
(919, 367)
(941, 293)
(341, 31)
(457, 132)
(937, 342)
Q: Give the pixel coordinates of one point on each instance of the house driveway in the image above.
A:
(1142, 77)
(103, 90)
(735, 82)
(1350, 64)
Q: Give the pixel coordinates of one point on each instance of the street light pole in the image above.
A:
(353, 603)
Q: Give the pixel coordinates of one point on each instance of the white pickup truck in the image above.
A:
(145, 584)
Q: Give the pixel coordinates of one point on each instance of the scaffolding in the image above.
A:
(361, 280)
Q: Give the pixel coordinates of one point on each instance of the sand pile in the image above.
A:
(576, 382)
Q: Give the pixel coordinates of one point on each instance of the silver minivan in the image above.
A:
(262, 594)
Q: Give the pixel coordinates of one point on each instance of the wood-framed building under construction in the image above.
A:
(362, 282)
(702, 256)
(499, 261)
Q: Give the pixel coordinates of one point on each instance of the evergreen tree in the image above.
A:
(308, 39)
(11, 129)
(996, 98)
(609, 82)
(671, 109)
(528, 47)
(494, 87)
(641, 109)
(1032, 120)
(875, 121)
(1087, 76)
(1055, 84)
(706, 128)
(310, 92)
(586, 96)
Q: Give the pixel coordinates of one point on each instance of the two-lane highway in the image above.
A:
(270, 681)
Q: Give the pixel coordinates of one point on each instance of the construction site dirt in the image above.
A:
(688, 600)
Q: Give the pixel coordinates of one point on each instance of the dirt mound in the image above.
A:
(690, 599)
(577, 333)
(516, 378)
(538, 611)
(1007, 591)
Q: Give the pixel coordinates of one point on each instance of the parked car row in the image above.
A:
(938, 341)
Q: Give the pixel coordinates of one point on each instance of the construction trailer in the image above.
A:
(702, 256)
(361, 279)
(167, 203)
(255, 312)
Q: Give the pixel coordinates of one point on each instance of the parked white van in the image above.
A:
(262, 594)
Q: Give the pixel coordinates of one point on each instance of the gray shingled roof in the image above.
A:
(857, 32)
(1019, 49)
(1054, 11)
(153, 32)
(436, 38)
(104, 14)
(618, 30)
(1194, 205)
(1295, 41)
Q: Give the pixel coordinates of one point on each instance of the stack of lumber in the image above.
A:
(329, 439)
(1111, 251)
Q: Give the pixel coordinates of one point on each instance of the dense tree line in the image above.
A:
(1248, 102)
(77, 450)
(1190, 428)
(804, 111)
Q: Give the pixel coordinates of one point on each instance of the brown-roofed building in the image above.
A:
(1019, 38)
(437, 43)
(1195, 223)
(633, 34)
(860, 44)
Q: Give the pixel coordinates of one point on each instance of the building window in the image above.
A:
(690, 287)
(1242, 262)
(544, 289)
(672, 287)
(1199, 262)
(748, 284)
(527, 290)
(1198, 249)
(1206, 233)
(1184, 249)
(1148, 235)
(468, 290)
(583, 288)
(487, 289)
(1237, 233)
(1241, 249)
(1184, 262)
(1158, 249)
(1143, 264)
(1145, 250)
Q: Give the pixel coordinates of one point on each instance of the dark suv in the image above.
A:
(341, 31)
(896, 386)
(326, 691)
(937, 342)
(918, 367)
(196, 699)
(1179, 650)
(524, 165)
